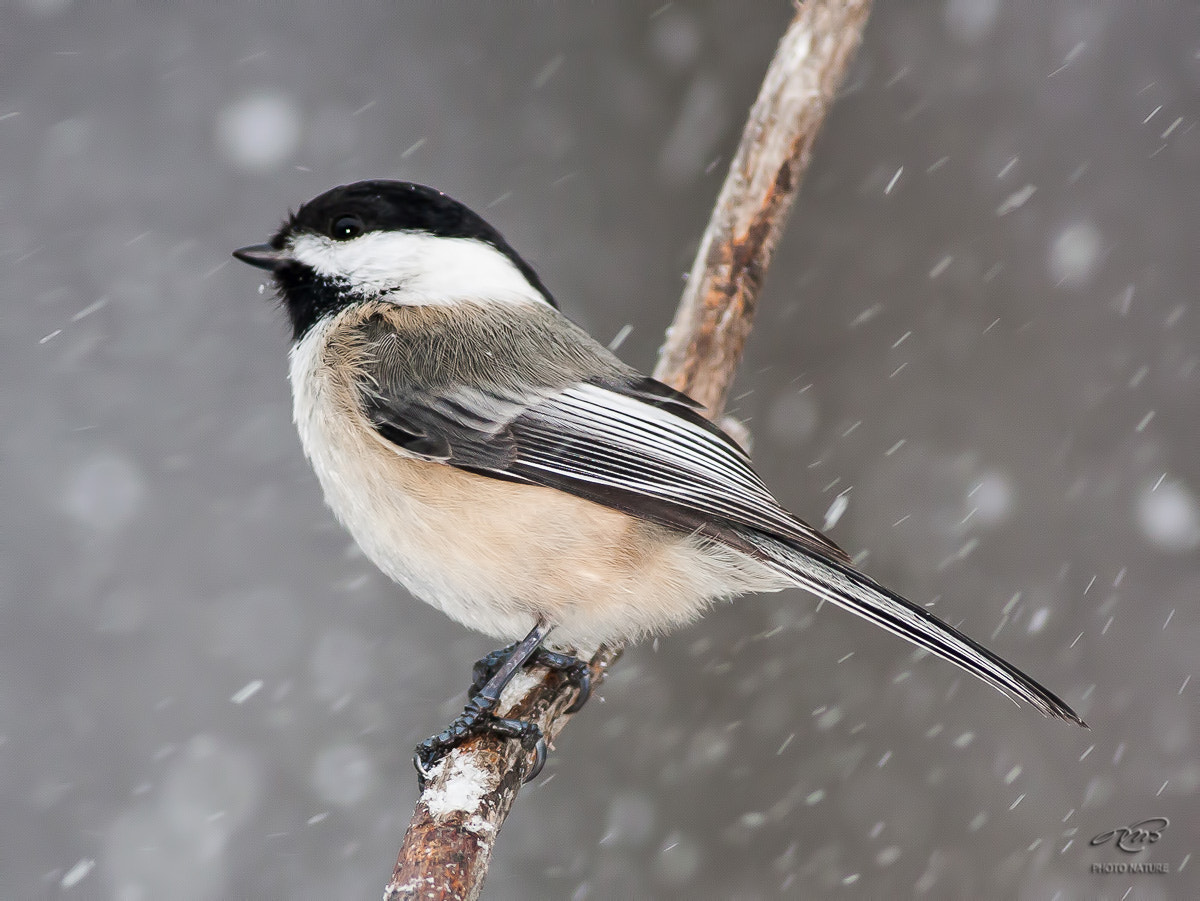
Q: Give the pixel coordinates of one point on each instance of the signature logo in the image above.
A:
(1136, 838)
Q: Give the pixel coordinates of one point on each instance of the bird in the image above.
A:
(490, 456)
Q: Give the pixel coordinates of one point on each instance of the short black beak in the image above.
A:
(263, 256)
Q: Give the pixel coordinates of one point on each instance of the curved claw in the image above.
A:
(583, 682)
(423, 771)
(540, 752)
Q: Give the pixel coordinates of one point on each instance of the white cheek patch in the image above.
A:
(419, 268)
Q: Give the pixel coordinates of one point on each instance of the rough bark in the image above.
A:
(704, 343)
(450, 839)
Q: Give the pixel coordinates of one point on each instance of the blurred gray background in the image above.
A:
(979, 327)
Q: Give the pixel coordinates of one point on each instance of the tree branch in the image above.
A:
(704, 343)
(449, 841)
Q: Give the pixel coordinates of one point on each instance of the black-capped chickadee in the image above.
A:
(490, 456)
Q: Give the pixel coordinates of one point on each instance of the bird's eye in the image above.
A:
(346, 227)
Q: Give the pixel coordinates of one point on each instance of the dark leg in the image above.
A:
(479, 717)
(572, 669)
(486, 667)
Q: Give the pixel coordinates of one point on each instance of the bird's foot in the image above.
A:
(575, 671)
(479, 718)
(490, 677)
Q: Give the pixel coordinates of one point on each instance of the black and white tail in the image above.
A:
(848, 588)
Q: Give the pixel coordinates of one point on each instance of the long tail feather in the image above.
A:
(852, 590)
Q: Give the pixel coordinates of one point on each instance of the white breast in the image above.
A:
(362, 481)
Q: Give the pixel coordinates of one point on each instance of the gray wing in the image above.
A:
(630, 443)
(633, 444)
